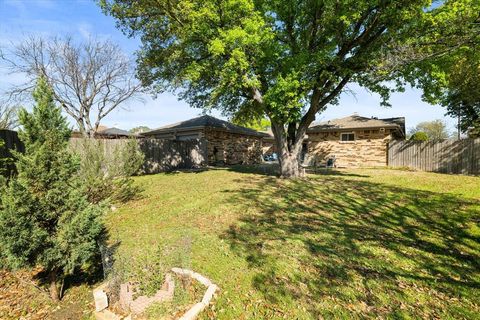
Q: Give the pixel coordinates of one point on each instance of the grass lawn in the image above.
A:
(347, 244)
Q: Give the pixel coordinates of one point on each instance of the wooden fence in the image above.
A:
(165, 155)
(449, 156)
(12, 142)
(160, 155)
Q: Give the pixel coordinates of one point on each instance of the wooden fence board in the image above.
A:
(449, 156)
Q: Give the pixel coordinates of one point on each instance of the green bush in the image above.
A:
(106, 172)
(45, 218)
(419, 136)
(6, 162)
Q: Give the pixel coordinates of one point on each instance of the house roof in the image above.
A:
(358, 122)
(204, 122)
(115, 132)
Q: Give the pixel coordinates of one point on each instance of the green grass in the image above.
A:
(342, 244)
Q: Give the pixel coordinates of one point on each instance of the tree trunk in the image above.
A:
(290, 165)
(53, 289)
(288, 151)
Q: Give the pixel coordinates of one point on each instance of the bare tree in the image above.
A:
(89, 79)
(8, 115)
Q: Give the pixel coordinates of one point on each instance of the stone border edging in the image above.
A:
(194, 311)
(101, 299)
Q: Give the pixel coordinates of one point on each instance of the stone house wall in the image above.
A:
(268, 146)
(369, 148)
(232, 148)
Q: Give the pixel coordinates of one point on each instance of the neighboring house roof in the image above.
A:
(268, 134)
(358, 122)
(101, 127)
(201, 122)
(115, 132)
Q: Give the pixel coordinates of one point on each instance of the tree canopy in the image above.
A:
(419, 136)
(89, 78)
(139, 129)
(461, 92)
(255, 124)
(432, 130)
(8, 115)
(452, 79)
(287, 60)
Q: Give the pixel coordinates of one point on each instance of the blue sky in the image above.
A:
(83, 19)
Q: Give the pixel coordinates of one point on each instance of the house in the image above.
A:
(226, 143)
(114, 133)
(79, 134)
(104, 132)
(354, 141)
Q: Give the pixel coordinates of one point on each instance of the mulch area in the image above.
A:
(20, 299)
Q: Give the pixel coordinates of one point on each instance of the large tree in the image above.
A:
(434, 130)
(89, 78)
(139, 129)
(8, 115)
(45, 219)
(453, 79)
(287, 60)
(460, 91)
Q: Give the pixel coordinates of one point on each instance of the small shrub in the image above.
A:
(149, 273)
(129, 157)
(107, 175)
(147, 269)
(419, 136)
(183, 298)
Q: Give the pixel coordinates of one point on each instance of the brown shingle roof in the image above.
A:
(114, 132)
(358, 122)
(203, 122)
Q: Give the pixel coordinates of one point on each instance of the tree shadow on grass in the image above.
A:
(334, 172)
(344, 248)
(265, 169)
(273, 170)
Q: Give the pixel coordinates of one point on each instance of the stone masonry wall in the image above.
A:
(232, 148)
(369, 148)
(268, 146)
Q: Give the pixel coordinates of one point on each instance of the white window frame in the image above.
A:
(348, 141)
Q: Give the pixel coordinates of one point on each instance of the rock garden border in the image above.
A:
(141, 303)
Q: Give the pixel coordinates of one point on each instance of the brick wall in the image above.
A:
(368, 149)
(232, 148)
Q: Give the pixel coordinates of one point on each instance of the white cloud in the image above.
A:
(46, 4)
(85, 30)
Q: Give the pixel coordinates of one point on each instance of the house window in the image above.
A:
(347, 137)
